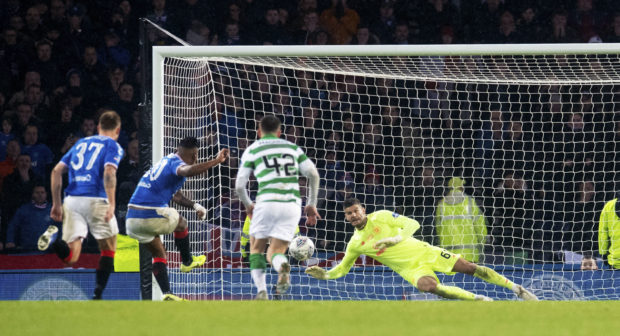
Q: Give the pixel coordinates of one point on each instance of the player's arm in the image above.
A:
(109, 184)
(243, 176)
(56, 188)
(405, 225)
(308, 169)
(200, 168)
(603, 233)
(180, 199)
(337, 272)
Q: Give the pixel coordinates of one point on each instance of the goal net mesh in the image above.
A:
(507, 160)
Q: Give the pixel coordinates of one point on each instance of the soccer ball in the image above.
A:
(301, 248)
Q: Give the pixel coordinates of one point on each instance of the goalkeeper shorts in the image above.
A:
(275, 220)
(432, 259)
(84, 214)
(146, 224)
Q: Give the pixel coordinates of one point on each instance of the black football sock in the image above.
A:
(62, 250)
(106, 266)
(160, 271)
(181, 240)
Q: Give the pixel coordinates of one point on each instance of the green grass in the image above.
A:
(377, 318)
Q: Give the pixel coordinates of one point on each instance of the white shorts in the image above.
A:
(84, 214)
(146, 224)
(275, 220)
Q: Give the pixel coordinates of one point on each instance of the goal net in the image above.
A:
(504, 154)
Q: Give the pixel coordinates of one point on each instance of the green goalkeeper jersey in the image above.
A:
(379, 225)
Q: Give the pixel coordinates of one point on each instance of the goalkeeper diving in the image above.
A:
(386, 237)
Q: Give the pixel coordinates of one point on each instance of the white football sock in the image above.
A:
(277, 260)
(260, 279)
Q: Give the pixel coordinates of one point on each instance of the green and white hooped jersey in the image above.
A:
(276, 164)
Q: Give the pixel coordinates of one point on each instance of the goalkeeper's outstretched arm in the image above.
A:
(337, 272)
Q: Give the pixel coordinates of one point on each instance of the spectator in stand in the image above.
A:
(187, 12)
(33, 29)
(37, 99)
(270, 31)
(129, 168)
(76, 37)
(16, 190)
(7, 166)
(340, 22)
(40, 155)
(29, 222)
(586, 20)
(614, 35)
(57, 14)
(93, 77)
(401, 33)
(231, 35)
(431, 16)
(528, 24)
(483, 20)
(124, 104)
(13, 59)
(46, 66)
(161, 16)
(23, 118)
(513, 214)
(116, 77)
(560, 32)
(87, 128)
(65, 129)
(384, 25)
(200, 34)
(6, 135)
(319, 37)
(507, 32)
(31, 77)
(310, 26)
(364, 36)
(113, 53)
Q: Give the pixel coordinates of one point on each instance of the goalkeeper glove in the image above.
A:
(317, 272)
(387, 242)
(201, 211)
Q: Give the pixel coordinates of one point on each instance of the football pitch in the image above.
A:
(310, 318)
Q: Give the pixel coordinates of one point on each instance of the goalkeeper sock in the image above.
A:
(160, 271)
(451, 292)
(277, 260)
(181, 240)
(493, 277)
(106, 266)
(257, 267)
(62, 250)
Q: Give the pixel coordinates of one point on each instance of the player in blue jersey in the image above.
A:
(89, 198)
(149, 215)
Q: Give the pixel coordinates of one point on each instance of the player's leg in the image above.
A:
(160, 268)
(105, 232)
(434, 259)
(431, 285)
(74, 229)
(278, 260)
(491, 276)
(258, 264)
(181, 241)
(107, 246)
(284, 219)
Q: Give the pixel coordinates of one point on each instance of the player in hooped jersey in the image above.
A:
(89, 198)
(276, 164)
(149, 216)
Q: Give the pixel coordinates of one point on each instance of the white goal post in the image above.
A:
(526, 135)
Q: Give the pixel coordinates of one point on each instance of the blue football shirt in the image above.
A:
(86, 161)
(159, 184)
